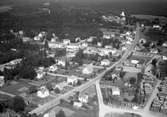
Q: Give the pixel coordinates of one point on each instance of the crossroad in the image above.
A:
(145, 112)
(45, 107)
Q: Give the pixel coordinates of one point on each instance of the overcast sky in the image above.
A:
(15, 2)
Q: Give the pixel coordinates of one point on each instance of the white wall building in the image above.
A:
(87, 70)
(72, 80)
(105, 62)
(77, 104)
(53, 68)
(43, 92)
(2, 81)
(66, 41)
(116, 91)
(84, 98)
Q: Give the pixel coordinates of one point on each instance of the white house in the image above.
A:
(154, 51)
(116, 91)
(54, 45)
(164, 58)
(84, 98)
(72, 47)
(90, 39)
(105, 62)
(77, 104)
(61, 62)
(66, 41)
(148, 69)
(77, 39)
(142, 41)
(72, 80)
(108, 35)
(53, 68)
(122, 14)
(46, 115)
(26, 39)
(157, 27)
(108, 47)
(2, 81)
(99, 44)
(88, 70)
(43, 92)
(164, 44)
(84, 45)
(134, 61)
(40, 72)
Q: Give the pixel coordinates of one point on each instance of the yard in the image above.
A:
(90, 110)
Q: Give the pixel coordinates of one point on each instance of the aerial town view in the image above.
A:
(83, 58)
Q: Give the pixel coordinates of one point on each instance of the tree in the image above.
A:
(32, 89)
(60, 114)
(2, 107)
(79, 56)
(79, 82)
(132, 81)
(57, 90)
(18, 104)
(27, 72)
(49, 87)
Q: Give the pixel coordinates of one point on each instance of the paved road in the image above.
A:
(43, 108)
(8, 94)
(154, 93)
(104, 109)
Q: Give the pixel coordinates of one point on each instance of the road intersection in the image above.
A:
(103, 109)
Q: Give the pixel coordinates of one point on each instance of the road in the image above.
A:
(145, 112)
(43, 108)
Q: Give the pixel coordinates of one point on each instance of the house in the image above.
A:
(77, 39)
(116, 91)
(83, 99)
(164, 58)
(54, 45)
(61, 61)
(108, 35)
(88, 70)
(148, 69)
(84, 45)
(14, 62)
(158, 27)
(43, 92)
(2, 81)
(164, 44)
(154, 51)
(40, 72)
(72, 47)
(90, 50)
(134, 61)
(105, 62)
(106, 52)
(91, 38)
(108, 47)
(122, 14)
(26, 39)
(142, 41)
(77, 104)
(99, 44)
(72, 80)
(36, 38)
(53, 68)
(66, 41)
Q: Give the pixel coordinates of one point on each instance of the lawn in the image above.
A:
(71, 111)
(16, 87)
